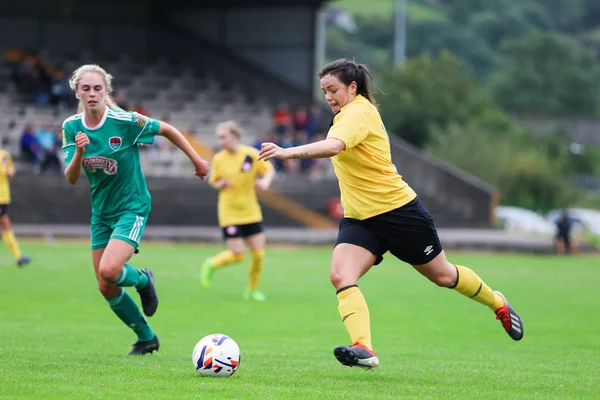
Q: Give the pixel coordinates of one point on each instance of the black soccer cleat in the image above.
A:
(148, 295)
(356, 355)
(141, 348)
(23, 261)
(512, 323)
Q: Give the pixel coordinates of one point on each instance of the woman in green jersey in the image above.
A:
(103, 141)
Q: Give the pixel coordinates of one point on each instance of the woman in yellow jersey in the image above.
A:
(7, 171)
(381, 212)
(236, 174)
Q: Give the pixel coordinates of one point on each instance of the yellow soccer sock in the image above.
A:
(256, 268)
(225, 258)
(355, 314)
(471, 285)
(11, 243)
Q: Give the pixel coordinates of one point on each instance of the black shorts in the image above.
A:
(407, 232)
(242, 231)
(3, 209)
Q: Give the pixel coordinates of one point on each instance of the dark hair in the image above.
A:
(347, 71)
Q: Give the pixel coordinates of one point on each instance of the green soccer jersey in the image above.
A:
(112, 160)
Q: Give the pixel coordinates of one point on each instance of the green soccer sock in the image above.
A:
(131, 276)
(128, 312)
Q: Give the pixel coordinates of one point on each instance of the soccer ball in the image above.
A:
(216, 355)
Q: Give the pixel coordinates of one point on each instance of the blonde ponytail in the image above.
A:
(111, 103)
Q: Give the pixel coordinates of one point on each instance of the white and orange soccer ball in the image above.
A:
(216, 355)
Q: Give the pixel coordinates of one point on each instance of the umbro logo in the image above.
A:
(428, 250)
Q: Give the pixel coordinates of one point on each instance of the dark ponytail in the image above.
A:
(348, 71)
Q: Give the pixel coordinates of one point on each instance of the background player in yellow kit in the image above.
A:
(236, 174)
(7, 171)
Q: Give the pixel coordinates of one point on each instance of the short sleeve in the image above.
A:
(213, 174)
(262, 167)
(143, 128)
(8, 162)
(68, 144)
(350, 126)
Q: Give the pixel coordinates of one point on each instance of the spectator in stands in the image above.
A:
(301, 119)
(265, 137)
(30, 148)
(61, 93)
(282, 119)
(19, 75)
(42, 82)
(287, 140)
(315, 122)
(46, 137)
(288, 166)
(302, 139)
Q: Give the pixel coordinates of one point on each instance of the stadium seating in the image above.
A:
(191, 99)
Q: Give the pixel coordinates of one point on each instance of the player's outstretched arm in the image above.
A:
(264, 183)
(177, 138)
(10, 169)
(321, 149)
(73, 170)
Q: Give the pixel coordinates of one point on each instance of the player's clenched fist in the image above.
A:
(81, 140)
(202, 168)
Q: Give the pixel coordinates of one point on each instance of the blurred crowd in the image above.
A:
(297, 127)
(41, 147)
(43, 84)
(40, 83)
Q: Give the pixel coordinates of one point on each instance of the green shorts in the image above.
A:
(128, 227)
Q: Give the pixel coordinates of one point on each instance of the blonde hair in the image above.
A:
(232, 127)
(106, 77)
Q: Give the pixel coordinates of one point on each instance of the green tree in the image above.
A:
(515, 21)
(547, 74)
(568, 16)
(343, 45)
(591, 14)
(517, 164)
(434, 36)
(376, 31)
(432, 93)
(460, 10)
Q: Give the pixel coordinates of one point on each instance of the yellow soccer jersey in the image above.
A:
(6, 165)
(369, 183)
(238, 204)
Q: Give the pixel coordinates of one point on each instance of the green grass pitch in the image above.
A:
(59, 339)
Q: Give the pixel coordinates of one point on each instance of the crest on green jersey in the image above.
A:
(115, 143)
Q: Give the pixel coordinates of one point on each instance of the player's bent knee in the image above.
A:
(110, 273)
(444, 280)
(340, 280)
(239, 257)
